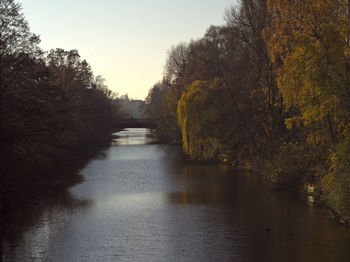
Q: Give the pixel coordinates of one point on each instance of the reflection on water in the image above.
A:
(31, 224)
(133, 136)
(145, 202)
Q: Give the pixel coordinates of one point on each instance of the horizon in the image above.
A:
(128, 52)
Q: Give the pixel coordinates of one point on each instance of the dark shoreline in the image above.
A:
(21, 201)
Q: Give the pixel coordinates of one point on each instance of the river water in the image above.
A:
(143, 201)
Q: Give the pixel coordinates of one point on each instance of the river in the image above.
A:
(142, 201)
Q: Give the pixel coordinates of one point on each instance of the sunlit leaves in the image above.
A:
(199, 109)
(308, 42)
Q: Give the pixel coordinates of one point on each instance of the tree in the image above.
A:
(17, 46)
(161, 104)
(248, 55)
(168, 129)
(73, 75)
(204, 56)
(209, 129)
(154, 100)
(176, 62)
(308, 42)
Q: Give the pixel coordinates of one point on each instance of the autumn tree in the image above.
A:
(308, 42)
(199, 109)
(154, 100)
(160, 103)
(170, 90)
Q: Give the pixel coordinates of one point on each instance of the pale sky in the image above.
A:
(124, 41)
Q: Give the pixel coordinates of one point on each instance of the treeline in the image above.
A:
(52, 108)
(131, 107)
(269, 91)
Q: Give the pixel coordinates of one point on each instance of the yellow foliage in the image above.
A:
(308, 41)
(199, 109)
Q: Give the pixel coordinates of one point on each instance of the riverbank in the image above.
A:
(53, 181)
(21, 205)
(283, 173)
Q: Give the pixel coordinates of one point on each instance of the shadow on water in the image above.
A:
(275, 225)
(29, 205)
(204, 184)
(23, 212)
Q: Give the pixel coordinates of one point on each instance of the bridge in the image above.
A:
(134, 123)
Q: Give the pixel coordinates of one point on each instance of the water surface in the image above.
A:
(142, 201)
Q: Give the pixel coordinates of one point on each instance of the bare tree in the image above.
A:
(176, 61)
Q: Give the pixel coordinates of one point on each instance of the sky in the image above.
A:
(125, 41)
